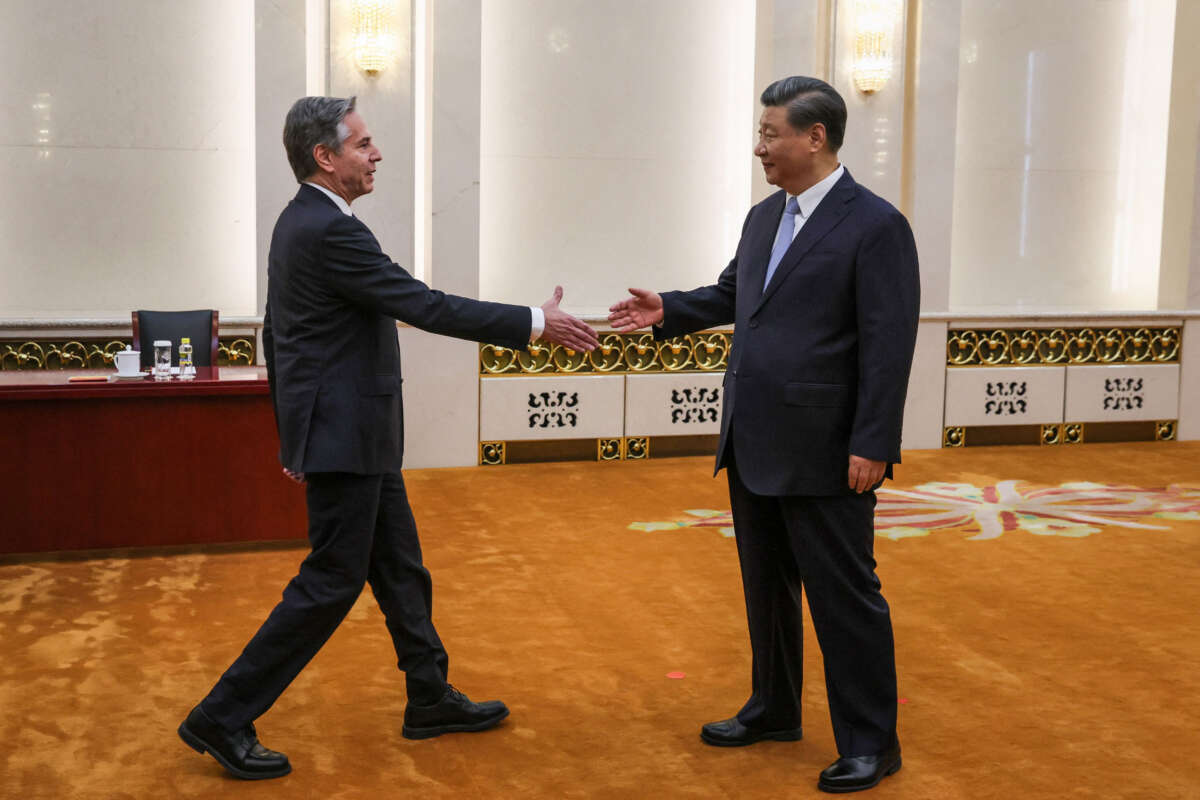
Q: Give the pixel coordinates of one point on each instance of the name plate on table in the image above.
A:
(1122, 393)
(553, 407)
(1004, 395)
(686, 404)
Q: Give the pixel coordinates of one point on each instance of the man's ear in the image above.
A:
(816, 136)
(322, 155)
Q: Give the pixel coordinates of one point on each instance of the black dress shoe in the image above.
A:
(854, 773)
(238, 752)
(732, 733)
(454, 713)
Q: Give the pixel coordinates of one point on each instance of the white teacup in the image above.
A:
(127, 361)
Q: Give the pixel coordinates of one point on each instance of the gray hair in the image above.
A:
(310, 122)
(809, 101)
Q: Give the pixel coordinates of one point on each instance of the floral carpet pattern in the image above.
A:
(988, 512)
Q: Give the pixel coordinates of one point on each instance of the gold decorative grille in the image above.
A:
(618, 353)
(97, 353)
(1034, 347)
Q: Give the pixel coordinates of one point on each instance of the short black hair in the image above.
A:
(808, 101)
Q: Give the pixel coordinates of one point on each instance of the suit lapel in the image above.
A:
(763, 239)
(825, 217)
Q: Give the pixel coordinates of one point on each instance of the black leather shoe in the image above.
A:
(238, 752)
(454, 713)
(860, 772)
(732, 733)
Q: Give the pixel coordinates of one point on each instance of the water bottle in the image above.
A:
(187, 371)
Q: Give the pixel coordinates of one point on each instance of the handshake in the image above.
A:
(641, 309)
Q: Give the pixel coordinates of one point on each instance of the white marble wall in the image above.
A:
(385, 104)
(442, 404)
(924, 405)
(615, 140)
(1189, 382)
(1060, 154)
(935, 110)
(788, 41)
(127, 155)
(874, 145)
(279, 68)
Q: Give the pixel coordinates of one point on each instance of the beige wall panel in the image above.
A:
(673, 405)
(1122, 393)
(1004, 395)
(555, 407)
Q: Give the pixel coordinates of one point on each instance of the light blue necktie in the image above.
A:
(783, 238)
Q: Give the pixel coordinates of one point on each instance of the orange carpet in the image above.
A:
(1045, 603)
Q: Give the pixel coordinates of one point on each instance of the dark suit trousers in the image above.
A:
(361, 529)
(825, 545)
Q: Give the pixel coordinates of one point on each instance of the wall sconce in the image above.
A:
(374, 34)
(874, 26)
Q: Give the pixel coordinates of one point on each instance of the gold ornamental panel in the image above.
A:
(1034, 347)
(637, 447)
(93, 353)
(954, 437)
(54, 355)
(1052, 434)
(1164, 431)
(491, 453)
(235, 352)
(618, 353)
(609, 450)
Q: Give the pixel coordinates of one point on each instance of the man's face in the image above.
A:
(354, 164)
(786, 154)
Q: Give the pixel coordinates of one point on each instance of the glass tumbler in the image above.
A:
(162, 360)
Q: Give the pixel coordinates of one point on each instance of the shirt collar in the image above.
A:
(341, 203)
(810, 198)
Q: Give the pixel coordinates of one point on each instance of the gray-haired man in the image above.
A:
(334, 366)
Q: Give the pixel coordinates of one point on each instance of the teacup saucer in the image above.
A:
(137, 376)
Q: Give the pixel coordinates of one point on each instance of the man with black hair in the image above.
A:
(825, 296)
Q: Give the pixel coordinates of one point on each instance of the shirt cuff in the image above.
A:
(537, 323)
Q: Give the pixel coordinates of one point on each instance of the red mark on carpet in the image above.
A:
(676, 675)
(903, 701)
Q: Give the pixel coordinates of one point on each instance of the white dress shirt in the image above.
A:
(810, 198)
(537, 316)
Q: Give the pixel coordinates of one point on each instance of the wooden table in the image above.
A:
(141, 463)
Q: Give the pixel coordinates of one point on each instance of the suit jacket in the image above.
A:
(329, 338)
(819, 364)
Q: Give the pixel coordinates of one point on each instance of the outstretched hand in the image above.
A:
(643, 309)
(562, 328)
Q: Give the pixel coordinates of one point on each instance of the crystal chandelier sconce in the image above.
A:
(874, 28)
(374, 35)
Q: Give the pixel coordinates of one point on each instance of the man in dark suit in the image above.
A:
(825, 295)
(333, 360)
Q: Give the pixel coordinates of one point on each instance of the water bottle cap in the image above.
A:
(185, 340)
(162, 342)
